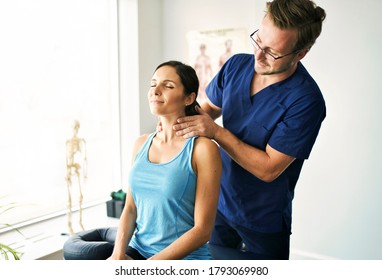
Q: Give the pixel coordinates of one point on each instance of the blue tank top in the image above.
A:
(164, 195)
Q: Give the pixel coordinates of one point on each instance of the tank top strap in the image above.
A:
(142, 153)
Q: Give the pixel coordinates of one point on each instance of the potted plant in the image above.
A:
(6, 252)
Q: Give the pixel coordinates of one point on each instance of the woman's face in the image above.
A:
(166, 95)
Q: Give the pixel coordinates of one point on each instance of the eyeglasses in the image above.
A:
(267, 54)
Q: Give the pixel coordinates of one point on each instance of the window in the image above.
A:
(58, 64)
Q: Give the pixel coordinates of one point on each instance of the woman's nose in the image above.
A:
(154, 90)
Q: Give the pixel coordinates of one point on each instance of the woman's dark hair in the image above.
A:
(189, 80)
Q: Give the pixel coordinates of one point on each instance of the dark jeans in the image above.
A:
(230, 241)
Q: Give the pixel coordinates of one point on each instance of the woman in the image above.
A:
(174, 182)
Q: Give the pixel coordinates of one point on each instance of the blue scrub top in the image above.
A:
(286, 115)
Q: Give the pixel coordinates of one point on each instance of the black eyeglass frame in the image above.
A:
(268, 53)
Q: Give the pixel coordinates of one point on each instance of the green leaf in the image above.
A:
(6, 251)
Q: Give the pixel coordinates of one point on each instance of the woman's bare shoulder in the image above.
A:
(139, 142)
(142, 138)
(206, 145)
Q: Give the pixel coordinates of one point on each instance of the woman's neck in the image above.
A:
(167, 133)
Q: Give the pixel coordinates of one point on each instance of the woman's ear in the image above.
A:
(190, 98)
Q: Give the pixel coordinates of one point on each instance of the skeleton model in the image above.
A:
(76, 164)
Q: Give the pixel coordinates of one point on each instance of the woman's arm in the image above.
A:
(126, 229)
(207, 165)
(127, 222)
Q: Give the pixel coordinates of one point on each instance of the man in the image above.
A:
(272, 111)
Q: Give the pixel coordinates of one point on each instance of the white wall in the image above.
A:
(182, 16)
(150, 54)
(336, 207)
(337, 203)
